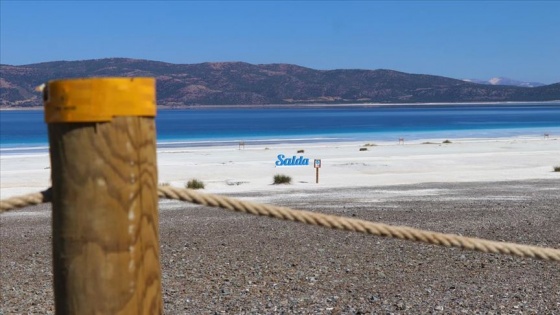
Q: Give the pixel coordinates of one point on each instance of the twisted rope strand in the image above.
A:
(25, 200)
(329, 221)
(356, 225)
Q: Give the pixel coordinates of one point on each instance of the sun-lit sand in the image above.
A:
(229, 169)
(220, 261)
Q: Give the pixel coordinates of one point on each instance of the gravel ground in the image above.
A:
(217, 262)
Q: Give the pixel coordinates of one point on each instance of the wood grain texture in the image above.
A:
(105, 218)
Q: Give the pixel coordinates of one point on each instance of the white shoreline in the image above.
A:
(228, 169)
(303, 105)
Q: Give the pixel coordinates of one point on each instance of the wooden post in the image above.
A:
(104, 176)
(317, 165)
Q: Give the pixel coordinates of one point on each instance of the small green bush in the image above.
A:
(282, 179)
(195, 184)
(557, 168)
(447, 141)
(370, 145)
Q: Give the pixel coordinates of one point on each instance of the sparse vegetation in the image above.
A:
(195, 184)
(363, 149)
(446, 141)
(556, 168)
(429, 142)
(370, 145)
(282, 179)
(164, 184)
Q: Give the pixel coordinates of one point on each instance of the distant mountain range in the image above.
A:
(505, 81)
(237, 83)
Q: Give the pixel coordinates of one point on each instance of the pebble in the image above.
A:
(267, 265)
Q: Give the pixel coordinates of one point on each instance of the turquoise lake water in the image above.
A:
(25, 131)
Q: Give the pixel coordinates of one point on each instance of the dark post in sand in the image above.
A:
(317, 165)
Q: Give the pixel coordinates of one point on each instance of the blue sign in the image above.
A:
(293, 161)
(317, 163)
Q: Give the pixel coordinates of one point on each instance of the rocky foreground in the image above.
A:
(217, 262)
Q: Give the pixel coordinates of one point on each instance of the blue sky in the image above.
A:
(458, 39)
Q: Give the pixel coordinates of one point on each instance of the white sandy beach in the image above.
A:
(222, 262)
(228, 169)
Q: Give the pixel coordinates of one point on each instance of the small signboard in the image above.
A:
(317, 163)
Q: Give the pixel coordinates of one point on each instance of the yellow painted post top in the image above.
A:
(99, 99)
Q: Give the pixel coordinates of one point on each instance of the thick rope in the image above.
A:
(356, 225)
(329, 221)
(25, 200)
